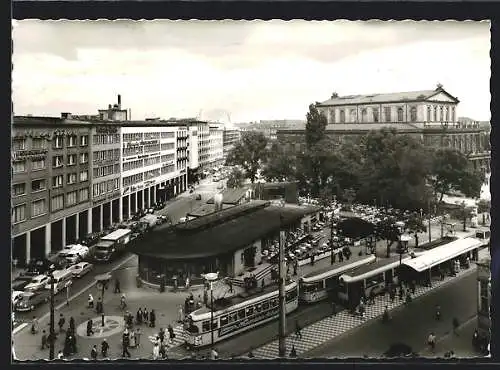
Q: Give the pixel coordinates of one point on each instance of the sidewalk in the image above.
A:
(331, 327)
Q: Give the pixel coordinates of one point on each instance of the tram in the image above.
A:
(368, 279)
(319, 285)
(238, 315)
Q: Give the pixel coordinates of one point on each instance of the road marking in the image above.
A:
(83, 290)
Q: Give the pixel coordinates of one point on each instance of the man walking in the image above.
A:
(125, 344)
(104, 348)
(93, 352)
(431, 341)
(117, 286)
(61, 322)
(298, 334)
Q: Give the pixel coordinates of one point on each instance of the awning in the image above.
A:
(443, 253)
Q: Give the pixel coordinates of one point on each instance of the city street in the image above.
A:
(411, 324)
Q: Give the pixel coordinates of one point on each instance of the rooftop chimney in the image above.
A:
(119, 101)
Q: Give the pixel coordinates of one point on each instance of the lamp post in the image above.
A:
(464, 215)
(102, 282)
(211, 277)
(52, 314)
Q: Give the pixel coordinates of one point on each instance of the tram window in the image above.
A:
(224, 320)
(291, 295)
(265, 305)
(374, 280)
(331, 282)
(241, 314)
(258, 307)
(274, 302)
(205, 326)
(215, 324)
(234, 317)
(249, 311)
(309, 288)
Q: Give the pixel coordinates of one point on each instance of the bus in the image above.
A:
(235, 315)
(318, 285)
(111, 245)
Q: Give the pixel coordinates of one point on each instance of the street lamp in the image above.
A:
(52, 314)
(211, 277)
(102, 282)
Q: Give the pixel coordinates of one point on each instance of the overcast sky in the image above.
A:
(251, 70)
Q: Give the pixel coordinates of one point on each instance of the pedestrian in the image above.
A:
(230, 286)
(371, 297)
(181, 314)
(408, 298)
(133, 343)
(90, 326)
(392, 294)
(93, 352)
(334, 308)
(138, 336)
(104, 348)
(187, 283)
(298, 334)
(156, 350)
(44, 339)
(455, 326)
(152, 319)
(437, 315)
(145, 315)
(214, 355)
(293, 352)
(362, 309)
(171, 334)
(139, 316)
(413, 286)
(125, 344)
(401, 293)
(34, 325)
(117, 286)
(161, 335)
(72, 324)
(61, 322)
(295, 267)
(163, 351)
(431, 341)
(90, 301)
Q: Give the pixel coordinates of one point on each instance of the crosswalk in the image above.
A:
(177, 341)
(331, 327)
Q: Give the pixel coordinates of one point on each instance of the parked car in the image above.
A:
(20, 282)
(17, 295)
(80, 269)
(30, 300)
(38, 283)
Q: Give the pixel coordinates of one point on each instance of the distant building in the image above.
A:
(428, 115)
(231, 136)
(216, 153)
(114, 112)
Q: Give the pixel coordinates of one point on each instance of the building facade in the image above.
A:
(231, 136)
(50, 184)
(429, 115)
(72, 177)
(484, 299)
(216, 153)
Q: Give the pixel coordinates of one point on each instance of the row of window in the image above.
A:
(167, 146)
(148, 148)
(167, 169)
(39, 206)
(106, 155)
(168, 157)
(137, 136)
(151, 135)
(58, 142)
(133, 151)
(103, 139)
(132, 179)
(105, 187)
(151, 174)
(127, 166)
(106, 170)
(167, 135)
(151, 161)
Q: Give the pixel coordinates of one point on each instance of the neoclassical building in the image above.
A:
(430, 115)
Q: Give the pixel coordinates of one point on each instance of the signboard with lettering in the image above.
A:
(105, 198)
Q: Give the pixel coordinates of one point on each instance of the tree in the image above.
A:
(249, 153)
(236, 179)
(386, 230)
(280, 165)
(451, 171)
(415, 225)
(483, 206)
(315, 126)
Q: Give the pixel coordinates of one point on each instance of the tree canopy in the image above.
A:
(249, 153)
(236, 179)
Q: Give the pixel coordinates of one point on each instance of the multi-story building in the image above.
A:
(230, 137)
(216, 153)
(71, 177)
(50, 184)
(429, 115)
(484, 299)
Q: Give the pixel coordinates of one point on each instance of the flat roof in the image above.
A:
(378, 263)
(340, 267)
(218, 233)
(207, 209)
(231, 196)
(438, 255)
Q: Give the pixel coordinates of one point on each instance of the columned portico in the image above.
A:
(77, 226)
(100, 218)
(28, 246)
(120, 209)
(111, 212)
(89, 221)
(48, 239)
(155, 189)
(63, 232)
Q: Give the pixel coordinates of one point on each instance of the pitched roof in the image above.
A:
(421, 95)
(203, 237)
